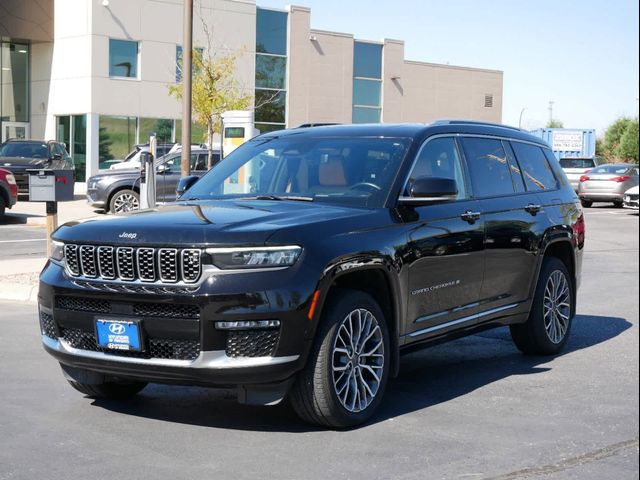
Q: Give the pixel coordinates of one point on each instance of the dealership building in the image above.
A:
(95, 73)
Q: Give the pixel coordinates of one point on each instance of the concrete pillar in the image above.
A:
(392, 82)
(93, 143)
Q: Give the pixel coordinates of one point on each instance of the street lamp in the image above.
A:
(520, 120)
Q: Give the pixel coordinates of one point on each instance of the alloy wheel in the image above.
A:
(357, 360)
(557, 306)
(125, 203)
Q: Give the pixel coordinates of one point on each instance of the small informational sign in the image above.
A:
(567, 141)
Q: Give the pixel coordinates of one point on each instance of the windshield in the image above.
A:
(339, 170)
(24, 150)
(577, 163)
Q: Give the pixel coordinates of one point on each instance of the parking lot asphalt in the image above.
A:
(471, 409)
(17, 241)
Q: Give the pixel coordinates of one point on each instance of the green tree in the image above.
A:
(554, 123)
(612, 137)
(627, 149)
(214, 91)
(164, 130)
(104, 145)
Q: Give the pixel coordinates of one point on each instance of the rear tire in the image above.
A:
(547, 329)
(341, 386)
(586, 203)
(618, 204)
(109, 390)
(3, 206)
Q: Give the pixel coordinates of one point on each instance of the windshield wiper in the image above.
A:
(295, 198)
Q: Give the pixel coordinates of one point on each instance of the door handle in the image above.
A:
(533, 209)
(470, 216)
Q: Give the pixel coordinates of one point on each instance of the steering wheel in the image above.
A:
(367, 185)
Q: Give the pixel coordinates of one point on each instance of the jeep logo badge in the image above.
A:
(128, 235)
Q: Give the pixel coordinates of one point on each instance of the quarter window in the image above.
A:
(489, 167)
(537, 173)
(123, 58)
(439, 158)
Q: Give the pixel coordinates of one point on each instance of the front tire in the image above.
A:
(346, 373)
(109, 390)
(124, 201)
(618, 204)
(547, 329)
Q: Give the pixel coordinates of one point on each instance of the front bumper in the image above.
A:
(182, 347)
(631, 201)
(94, 198)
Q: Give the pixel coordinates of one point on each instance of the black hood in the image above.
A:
(22, 163)
(207, 222)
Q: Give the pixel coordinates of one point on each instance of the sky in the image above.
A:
(580, 54)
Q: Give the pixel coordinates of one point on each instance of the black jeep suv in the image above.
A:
(308, 260)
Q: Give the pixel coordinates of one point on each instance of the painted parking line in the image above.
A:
(24, 240)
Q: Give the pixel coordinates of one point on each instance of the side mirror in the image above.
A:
(185, 184)
(56, 157)
(425, 190)
(163, 168)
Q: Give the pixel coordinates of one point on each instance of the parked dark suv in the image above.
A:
(118, 191)
(18, 156)
(308, 260)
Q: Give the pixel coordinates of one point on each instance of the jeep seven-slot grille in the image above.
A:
(166, 265)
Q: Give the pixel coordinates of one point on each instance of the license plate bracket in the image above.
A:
(118, 334)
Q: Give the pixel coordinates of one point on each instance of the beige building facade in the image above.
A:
(95, 73)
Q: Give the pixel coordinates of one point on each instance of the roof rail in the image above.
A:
(474, 122)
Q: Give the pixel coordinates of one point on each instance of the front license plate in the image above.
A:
(118, 334)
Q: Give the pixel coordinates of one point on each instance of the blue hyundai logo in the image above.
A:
(116, 328)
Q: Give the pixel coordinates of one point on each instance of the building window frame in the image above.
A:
(113, 75)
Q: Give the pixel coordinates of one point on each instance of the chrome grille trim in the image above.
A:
(126, 269)
(168, 264)
(106, 263)
(146, 264)
(132, 265)
(72, 261)
(191, 264)
(88, 261)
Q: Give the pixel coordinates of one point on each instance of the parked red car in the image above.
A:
(8, 190)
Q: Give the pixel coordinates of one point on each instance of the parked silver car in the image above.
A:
(607, 183)
(574, 168)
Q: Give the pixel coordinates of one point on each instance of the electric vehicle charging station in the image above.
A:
(237, 128)
(148, 175)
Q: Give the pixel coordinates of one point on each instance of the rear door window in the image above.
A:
(538, 175)
(489, 167)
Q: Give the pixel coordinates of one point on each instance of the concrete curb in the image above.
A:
(19, 292)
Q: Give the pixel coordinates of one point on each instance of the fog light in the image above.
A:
(247, 324)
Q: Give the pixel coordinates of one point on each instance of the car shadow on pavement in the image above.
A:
(427, 378)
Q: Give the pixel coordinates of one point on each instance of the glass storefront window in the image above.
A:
(162, 127)
(367, 60)
(123, 58)
(14, 82)
(117, 137)
(365, 115)
(198, 133)
(366, 92)
(271, 71)
(270, 106)
(72, 131)
(271, 32)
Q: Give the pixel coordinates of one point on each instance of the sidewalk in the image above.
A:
(19, 277)
(34, 213)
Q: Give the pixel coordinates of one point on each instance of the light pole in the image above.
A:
(551, 102)
(520, 120)
(187, 45)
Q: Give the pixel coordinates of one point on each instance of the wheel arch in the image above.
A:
(562, 248)
(375, 278)
(118, 188)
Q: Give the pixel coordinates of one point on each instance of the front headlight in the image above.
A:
(254, 257)
(57, 251)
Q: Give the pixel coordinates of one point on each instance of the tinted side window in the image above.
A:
(439, 158)
(538, 175)
(516, 174)
(489, 167)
